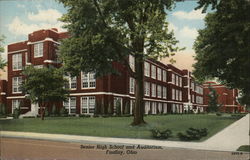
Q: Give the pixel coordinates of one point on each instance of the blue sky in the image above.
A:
(21, 17)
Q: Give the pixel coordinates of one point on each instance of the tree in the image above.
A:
(106, 31)
(213, 105)
(2, 62)
(43, 86)
(222, 47)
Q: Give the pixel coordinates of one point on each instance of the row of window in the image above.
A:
(17, 58)
(87, 105)
(176, 94)
(88, 81)
(196, 88)
(177, 80)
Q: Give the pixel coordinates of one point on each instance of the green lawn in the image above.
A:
(118, 126)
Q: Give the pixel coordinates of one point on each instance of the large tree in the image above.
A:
(222, 47)
(2, 62)
(104, 31)
(43, 86)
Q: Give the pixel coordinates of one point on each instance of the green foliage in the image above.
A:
(158, 134)
(16, 113)
(118, 108)
(54, 110)
(63, 112)
(213, 105)
(127, 107)
(2, 109)
(110, 109)
(46, 112)
(222, 47)
(2, 62)
(193, 134)
(244, 148)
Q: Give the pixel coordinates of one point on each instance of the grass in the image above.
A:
(244, 148)
(118, 126)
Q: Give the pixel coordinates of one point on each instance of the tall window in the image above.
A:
(88, 104)
(132, 62)
(180, 95)
(16, 84)
(164, 92)
(70, 105)
(38, 50)
(15, 104)
(159, 74)
(153, 90)
(159, 91)
(147, 89)
(146, 69)
(180, 80)
(147, 107)
(17, 61)
(153, 71)
(177, 94)
(177, 80)
(173, 78)
(88, 80)
(173, 94)
(164, 76)
(192, 86)
(131, 85)
(71, 82)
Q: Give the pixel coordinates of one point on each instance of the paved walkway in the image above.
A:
(229, 139)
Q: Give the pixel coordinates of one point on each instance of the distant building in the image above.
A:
(167, 89)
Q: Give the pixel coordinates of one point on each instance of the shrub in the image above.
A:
(158, 134)
(63, 112)
(237, 115)
(16, 113)
(46, 112)
(2, 109)
(54, 111)
(118, 108)
(218, 114)
(110, 109)
(193, 134)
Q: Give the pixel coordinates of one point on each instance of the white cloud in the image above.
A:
(37, 22)
(49, 16)
(171, 27)
(188, 32)
(192, 15)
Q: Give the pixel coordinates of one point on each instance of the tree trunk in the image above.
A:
(42, 110)
(139, 91)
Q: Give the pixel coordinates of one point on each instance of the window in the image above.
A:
(164, 76)
(38, 50)
(147, 89)
(26, 57)
(153, 94)
(180, 80)
(147, 107)
(131, 85)
(71, 82)
(180, 95)
(160, 107)
(173, 94)
(193, 98)
(146, 69)
(153, 71)
(164, 92)
(159, 91)
(15, 104)
(159, 74)
(88, 104)
(173, 78)
(70, 105)
(16, 84)
(154, 107)
(17, 62)
(192, 86)
(132, 62)
(88, 80)
(177, 80)
(173, 108)
(38, 66)
(177, 94)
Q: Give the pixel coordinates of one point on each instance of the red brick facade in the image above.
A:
(167, 88)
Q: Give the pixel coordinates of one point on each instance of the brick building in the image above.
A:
(227, 97)
(167, 89)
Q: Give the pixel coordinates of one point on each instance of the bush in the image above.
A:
(237, 115)
(2, 109)
(192, 134)
(157, 134)
(218, 114)
(63, 112)
(46, 112)
(16, 113)
(54, 111)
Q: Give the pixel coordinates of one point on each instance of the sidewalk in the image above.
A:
(229, 139)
